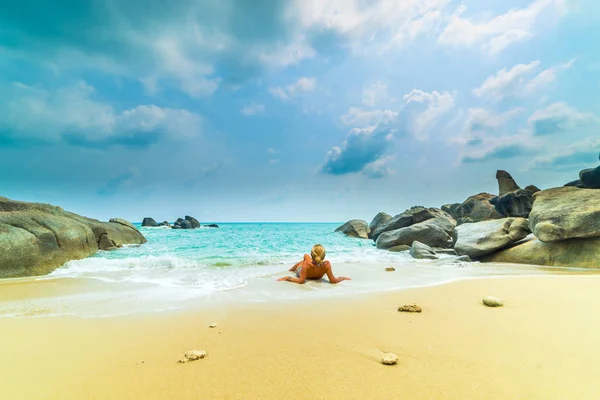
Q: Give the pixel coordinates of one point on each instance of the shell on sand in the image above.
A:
(389, 359)
(192, 355)
(212, 325)
(492, 301)
(410, 308)
(390, 269)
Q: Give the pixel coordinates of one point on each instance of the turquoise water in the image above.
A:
(237, 262)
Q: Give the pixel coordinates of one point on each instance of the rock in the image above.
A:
(491, 301)
(149, 222)
(431, 233)
(389, 359)
(193, 221)
(481, 238)
(532, 189)
(192, 355)
(506, 183)
(179, 221)
(399, 248)
(574, 253)
(211, 226)
(477, 208)
(390, 269)
(449, 252)
(422, 251)
(175, 226)
(185, 224)
(355, 228)
(416, 215)
(514, 204)
(380, 219)
(398, 221)
(37, 238)
(213, 325)
(590, 178)
(577, 184)
(122, 222)
(165, 223)
(411, 308)
(565, 213)
(451, 209)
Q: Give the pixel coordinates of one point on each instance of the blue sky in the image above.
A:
(298, 110)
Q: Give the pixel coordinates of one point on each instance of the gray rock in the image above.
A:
(485, 237)
(380, 219)
(185, 224)
(165, 223)
(577, 184)
(355, 228)
(422, 251)
(122, 222)
(211, 226)
(398, 249)
(451, 209)
(491, 301)
(506, 183)
(565, 213)
(514, 204)
(398, 221)
(175, 226)
(477, 208)
(590, 178)
(37, 238)
(532, 188)
(193, 221)
(448, 252)
(430, 232)
(149, 222)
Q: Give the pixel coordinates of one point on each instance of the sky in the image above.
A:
(292, 110)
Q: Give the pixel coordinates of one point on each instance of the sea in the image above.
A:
(232, 264)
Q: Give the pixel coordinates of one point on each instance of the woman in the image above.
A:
(313, 267)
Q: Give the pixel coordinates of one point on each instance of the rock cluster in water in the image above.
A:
(182, 223)
(554, 227)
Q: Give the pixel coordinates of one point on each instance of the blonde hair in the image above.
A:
(318, 254)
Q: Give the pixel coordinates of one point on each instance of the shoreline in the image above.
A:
(541, 344)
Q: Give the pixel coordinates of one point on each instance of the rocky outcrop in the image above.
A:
(434, 232)
(380, 219)
(193, 221)
(590, 178)
(451, 209)
(355, 228)
(477, 208)
(485, 237)
(185, 224)
(165, 223)
(514, 204)
(399, 248)
(37, 238)
(149, 222)
(398, 221)
(422, 251)
(506, 183)
(565, 213)
(532, 189)
(575, 253)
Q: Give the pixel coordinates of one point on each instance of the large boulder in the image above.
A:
(514, 204)
(532, 188)
(506, 183)
(451, 209)
(435, 232)
(481, 238)
(193, 221)
(398, 221)
(565, 213)
(477, 208)
(590, 178)
(355, 228)
(575, 253)
(380, 219)
(149, 222)
(185, 224)
(37, 238)
(421, 251)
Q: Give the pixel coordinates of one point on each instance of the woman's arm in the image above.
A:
(332, 278)
(300, 280)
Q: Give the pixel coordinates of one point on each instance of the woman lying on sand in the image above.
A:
(313, 267)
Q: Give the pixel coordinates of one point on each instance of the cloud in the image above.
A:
(114, 185)
(435, 104)
(500, 151)
(70, 113)
(303, 84)
(374, 94)
(253, 109)
(560, 118)
(356, 116)
(361, 151)
(497, 33)
(579, 154)
(378, 168)
(480, 123)
(518, 81)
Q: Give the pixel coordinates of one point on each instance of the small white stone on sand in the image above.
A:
(192, 355)
(213, 325)
(491, 301)
(389, 359)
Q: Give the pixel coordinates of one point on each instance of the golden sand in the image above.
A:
(543, 344)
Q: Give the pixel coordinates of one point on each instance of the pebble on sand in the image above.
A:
(192, 355)
(491, 301)
(410, 308)
(390, 269)
(389, 359)
(212, 325)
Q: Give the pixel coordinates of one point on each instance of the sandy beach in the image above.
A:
(543, 344)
